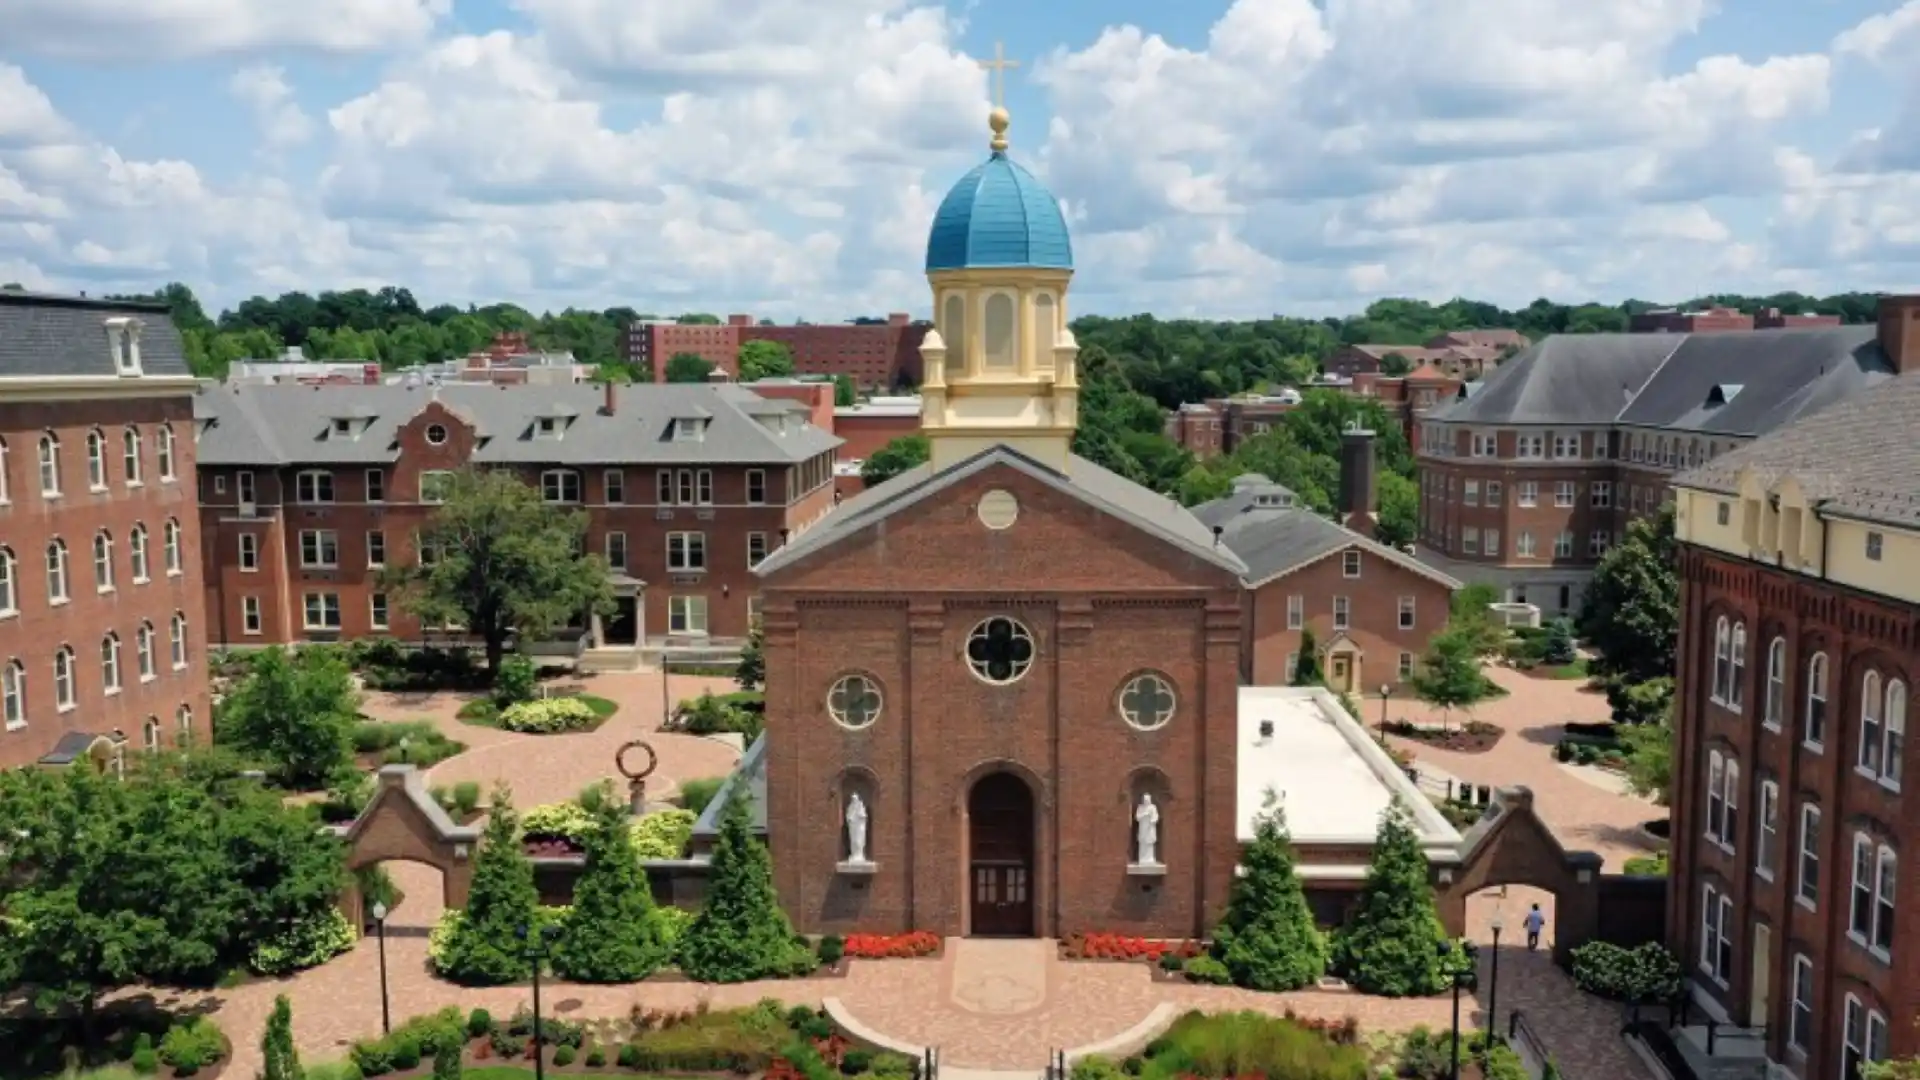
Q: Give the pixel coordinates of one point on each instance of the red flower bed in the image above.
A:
(892, 946)
(1124, 947)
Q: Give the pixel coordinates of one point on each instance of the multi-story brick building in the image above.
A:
(307, 492)
(1218, 426)
(1532, 473)
(100, 594)
(1793, 814)
(873, 354)
(1460, 354)
(1721, 320)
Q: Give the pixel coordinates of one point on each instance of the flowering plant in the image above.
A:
(1126, 947)
(892, 946)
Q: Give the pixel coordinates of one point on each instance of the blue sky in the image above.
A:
(783, 158)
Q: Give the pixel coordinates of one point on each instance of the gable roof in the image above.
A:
(288, 424)
(1275, 541)
(43, 336)
(1667, 380)
(1142, 508)
(1857, 459)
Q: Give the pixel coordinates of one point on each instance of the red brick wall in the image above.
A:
(1374, 619)
(1442, 516)
(866, 434)
(1122, 603)
(816, 396)
(29, 522)
(874, 354)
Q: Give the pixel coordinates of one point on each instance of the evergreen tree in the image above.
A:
(740, 933)
(1391, 943)
(279, 1060)
(485, 949)
(751, 673)
(1267, 938)
(612, 936)
(1306, 667)
(1559, 647)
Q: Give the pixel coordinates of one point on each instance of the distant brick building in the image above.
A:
(873, 354)
(1720, 320)
(101, 618)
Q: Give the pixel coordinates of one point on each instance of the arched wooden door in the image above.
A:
(1000, 856)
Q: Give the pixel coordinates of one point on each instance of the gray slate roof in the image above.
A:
(752, 770)
(63, 336)
(1140, 507)
(1859, 458)
(1742, 384)
(288, 424)
(1273, 540)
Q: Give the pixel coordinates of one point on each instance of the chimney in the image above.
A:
(1900, 332)
(739, 320)
(1356, 479)
(606, 407)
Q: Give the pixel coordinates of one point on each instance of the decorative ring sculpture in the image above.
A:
(626, 770)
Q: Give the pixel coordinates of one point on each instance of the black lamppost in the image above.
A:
(1454, 976)
(1385, 693)
(538, 945)
(380, 929)
(1493, 980)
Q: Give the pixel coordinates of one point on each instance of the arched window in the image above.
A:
(1776, 683)
(110, 663)
(137, 552)
(1045, 329)
(1722, 659)
(103, 560)
(1737, 684)
(1895, 734)
(143, 650)
(63, 675)
(1000, 324)
(179, 640)
(170, 540)
(9, 599)
(955, 331)
(150, 734)
(57, 572)
(1815, 734)
(130, 454)
(96, 460)
(1870, 730)
(163, 451)
(49, 464)
(184, 717)
(13, 695)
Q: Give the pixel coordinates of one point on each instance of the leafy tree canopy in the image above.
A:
(1631, 609)
(896, 457)
(296, 714)
(687, 367)
(501, 561)
(1449, 677)
(764, 360)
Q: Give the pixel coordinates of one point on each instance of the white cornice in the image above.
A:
(95, 387)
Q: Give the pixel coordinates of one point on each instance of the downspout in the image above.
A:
(1826, 536)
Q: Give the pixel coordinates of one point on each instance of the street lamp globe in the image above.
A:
(1385, 691)
(379, 911)
(1499, 924)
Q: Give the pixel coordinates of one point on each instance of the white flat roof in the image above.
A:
(1332, 779)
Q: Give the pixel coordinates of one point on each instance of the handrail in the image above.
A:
(1521, 1032)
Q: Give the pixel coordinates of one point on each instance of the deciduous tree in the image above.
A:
(1631, 609)
(762, 359)
(296, 714)
(497, 559)
(1449, 676)
(899, 455)
(751, 672)
(688, 368)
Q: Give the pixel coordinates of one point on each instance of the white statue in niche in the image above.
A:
(1146, 831)
(856, 829)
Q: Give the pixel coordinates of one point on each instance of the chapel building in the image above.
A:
(1006, 690)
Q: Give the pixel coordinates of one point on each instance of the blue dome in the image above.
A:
(998, 215)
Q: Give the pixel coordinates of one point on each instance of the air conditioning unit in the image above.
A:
(249, 509)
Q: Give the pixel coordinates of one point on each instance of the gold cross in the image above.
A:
(999, 65)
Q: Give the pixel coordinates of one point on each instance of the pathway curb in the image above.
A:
(838, 1011)
(1151, 1027)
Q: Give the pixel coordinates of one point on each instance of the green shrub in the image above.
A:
(406, 1055)
(695, 794)
(1645, 973)
(1171, 960)
(854, 1062)
(1095, 1067)
(548, 717)
(372, 1057)
(888, 1065)
(309, 942)
(1247, 1044)
(479, 1023)
(596, 1057)
(743, 713)
(1499, 1062)
(446, 1063)
(506, 1044)
(568, 819)
(192, 1045)
(563, 1055)
(515, 682)
(1647, 865)
(612, 936)
(662, 834)
(145, 1061)
(483, 948)
(630, 1056)
(1205, 969)
(831, 948)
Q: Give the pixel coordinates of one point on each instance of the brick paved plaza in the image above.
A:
(984, 1004)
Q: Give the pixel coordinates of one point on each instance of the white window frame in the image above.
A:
(250, 621)
(137, 565)
(686, 552)
(1528, 494)
(143, 652)
(756, 487)
(1894, 735)
(613, 487)
(59, 573)
(1495, 492)
(308, 607)
(375, 482)
(1814, 720)
(1490, 541)
(9, 583)
(376, 548)
(1564, 493)
(1408, 612)
(1296, 611)
(1470, 492)
(178, 640)
(554, 484)
(314, 549)
(1737, 683)
(1806, 871)
(1800, 1011)
(756, 540)
(684, 612)
(378, 615)
(66, 691)
(49, 466)
(1469, 540)
(1875, 546)
(110, 663)
(13, 695)
(616, 546)
(1350, 564)
(313, 487)
(1771, 716)
(130, 457)
(1563, 544)
(249, 552)
(96, 460)
(1716, 947)
(1600, 494)
(1766, 837)
(1342, 613)
(663, 488)
(103, 561)
(170, 541)
(163, 453)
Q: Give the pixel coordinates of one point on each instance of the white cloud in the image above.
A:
(171, 29)
(263, 88)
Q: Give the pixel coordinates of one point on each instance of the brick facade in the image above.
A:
(1379, 650)
(154, 708)
(873, 354)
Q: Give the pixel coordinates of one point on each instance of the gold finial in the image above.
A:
(998, 119)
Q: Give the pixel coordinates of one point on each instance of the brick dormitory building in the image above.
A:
(876, 354)
(1533, 472)
(100, 592)
(306, 492)
(1793, 808)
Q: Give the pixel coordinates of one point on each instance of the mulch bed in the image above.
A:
(1473, 737)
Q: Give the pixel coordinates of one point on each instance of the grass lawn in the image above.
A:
(480, 712)
(1575, 670)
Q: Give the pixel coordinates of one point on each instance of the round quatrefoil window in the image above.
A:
(1000, 650)
(436, 434)
(854, 702)
(1147, 701)
(998, 510)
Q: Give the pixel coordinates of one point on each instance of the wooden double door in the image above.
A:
(1000, 857)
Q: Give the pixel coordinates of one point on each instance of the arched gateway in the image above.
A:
(402, 823)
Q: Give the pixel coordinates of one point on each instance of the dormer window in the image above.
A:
(123, 339)
(547, 427)
(343, 426)
(688, 429)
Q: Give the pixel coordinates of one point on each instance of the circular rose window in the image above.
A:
(854, 702)
(1000, 650)
(436, 434)
(1147, 701)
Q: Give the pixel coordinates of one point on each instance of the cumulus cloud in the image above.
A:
(263, 88)
(145, 30)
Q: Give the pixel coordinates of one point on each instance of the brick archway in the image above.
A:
(1512, 846)
(402, 823)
